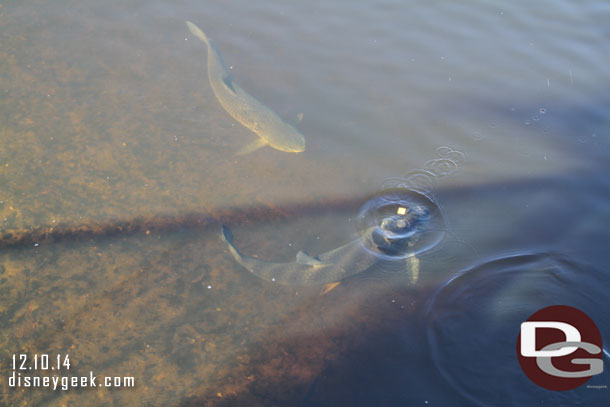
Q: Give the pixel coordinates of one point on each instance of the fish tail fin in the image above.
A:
(227, 237)
(196, 31)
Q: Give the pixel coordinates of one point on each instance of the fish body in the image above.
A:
(261, 120)
(335, 265)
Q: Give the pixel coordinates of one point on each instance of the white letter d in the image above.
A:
(528, 338)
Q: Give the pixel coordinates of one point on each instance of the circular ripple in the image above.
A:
(445, 163)
(399, 223)
(420, 180)
(449, 153)
(441, 166)
(474, 320)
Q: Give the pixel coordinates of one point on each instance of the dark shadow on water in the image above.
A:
(362, 344)
(371, 356)
(377, 354)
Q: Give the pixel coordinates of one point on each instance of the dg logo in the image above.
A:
(560, 348)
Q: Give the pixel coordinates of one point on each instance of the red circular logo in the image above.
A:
(560, 348)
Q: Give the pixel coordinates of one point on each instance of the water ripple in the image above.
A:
(474, 320)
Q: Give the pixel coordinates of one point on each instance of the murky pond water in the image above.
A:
(118, 167)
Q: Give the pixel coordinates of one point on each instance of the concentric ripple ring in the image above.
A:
(398, 223)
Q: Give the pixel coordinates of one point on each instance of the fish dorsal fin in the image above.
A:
(253, 146)
(304, 258)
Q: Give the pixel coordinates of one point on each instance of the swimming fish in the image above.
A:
(267, 125)
(329, 267)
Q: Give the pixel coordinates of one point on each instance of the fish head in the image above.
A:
(289, 140)
(294, 146)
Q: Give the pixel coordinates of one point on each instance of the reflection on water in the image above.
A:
(400, 223)
(117, 168)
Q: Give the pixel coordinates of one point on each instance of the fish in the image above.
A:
(267, 125)
(329, 267)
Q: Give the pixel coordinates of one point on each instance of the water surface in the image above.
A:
(111, 135)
